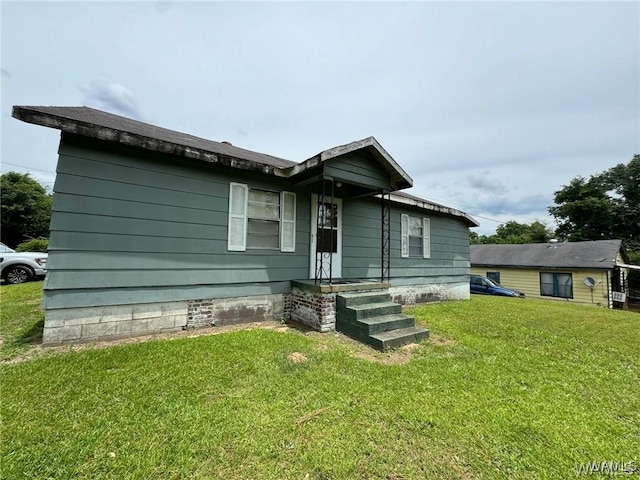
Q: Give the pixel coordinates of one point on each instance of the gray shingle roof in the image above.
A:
(597, 254)
(107, 126)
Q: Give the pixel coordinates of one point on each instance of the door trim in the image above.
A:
(336, 264)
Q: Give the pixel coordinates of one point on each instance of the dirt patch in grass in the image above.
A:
(399, 356)
(297, 357)
(441, 341)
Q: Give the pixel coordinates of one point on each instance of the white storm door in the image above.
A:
(326, 242)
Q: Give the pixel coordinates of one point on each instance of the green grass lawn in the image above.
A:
(506, 388)
(21, 318)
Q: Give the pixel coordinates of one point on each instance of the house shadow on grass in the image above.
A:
(33, 336)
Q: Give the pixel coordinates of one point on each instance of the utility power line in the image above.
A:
(27, 168)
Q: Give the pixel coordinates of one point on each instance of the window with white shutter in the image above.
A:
(261, 219)
(416, 237)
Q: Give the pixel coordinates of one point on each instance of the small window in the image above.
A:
(261, 219)
(416, 237)
(495, 276)
(556, 284)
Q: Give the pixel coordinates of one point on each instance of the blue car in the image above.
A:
(485, 286)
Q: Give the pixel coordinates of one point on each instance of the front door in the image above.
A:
(326, 238)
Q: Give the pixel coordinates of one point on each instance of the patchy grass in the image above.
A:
(508, 389)
(21, 318)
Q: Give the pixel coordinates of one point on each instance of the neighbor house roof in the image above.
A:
(100, 125)
(596, 255)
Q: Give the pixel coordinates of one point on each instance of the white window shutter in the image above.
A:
(404, 222)
(426, 238)
(237, 228)
(287, 222)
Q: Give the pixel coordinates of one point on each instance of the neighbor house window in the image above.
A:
(556, 284)
(416, 236)
(495, 276)
(261, 219)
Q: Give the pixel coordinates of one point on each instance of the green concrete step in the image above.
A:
(397, 338)
(372, 318)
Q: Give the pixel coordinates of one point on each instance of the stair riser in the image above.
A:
(352, 315)
(353, 330)
(362, 300)
(371, 329)
(397, 342)
(391, 325)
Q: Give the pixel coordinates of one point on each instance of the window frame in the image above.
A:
(405, 251)
(264, 219)
(494, 276)
(557, 289)
(238, 221)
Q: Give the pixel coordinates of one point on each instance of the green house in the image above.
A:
(155, 230)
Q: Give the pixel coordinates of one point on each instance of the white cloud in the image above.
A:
(111, 97)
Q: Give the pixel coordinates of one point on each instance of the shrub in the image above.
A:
(34, 245)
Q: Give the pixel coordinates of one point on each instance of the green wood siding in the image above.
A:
(361, 254)
(358, 169)
(133, 227)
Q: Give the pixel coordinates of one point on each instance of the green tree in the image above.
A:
(604, 206)
(514, 232)
(624, 181)
(34, 245)
(25, 208)
(583, 210)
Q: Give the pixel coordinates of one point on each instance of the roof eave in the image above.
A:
(423, 204)
(98, 132)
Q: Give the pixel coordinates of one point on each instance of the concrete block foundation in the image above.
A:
(306, 303)
(84, 324)
(110, 322)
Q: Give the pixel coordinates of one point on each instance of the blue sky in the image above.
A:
(490, 106)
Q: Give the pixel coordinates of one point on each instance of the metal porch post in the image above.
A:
(385, 236)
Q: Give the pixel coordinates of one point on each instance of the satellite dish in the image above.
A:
(589, 282)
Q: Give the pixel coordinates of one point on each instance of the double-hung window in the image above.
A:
(556, 284)
(416, 237)
(261, 219)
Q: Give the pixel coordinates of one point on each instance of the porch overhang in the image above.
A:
(323, 164)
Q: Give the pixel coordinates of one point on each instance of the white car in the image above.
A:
(20, 267)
